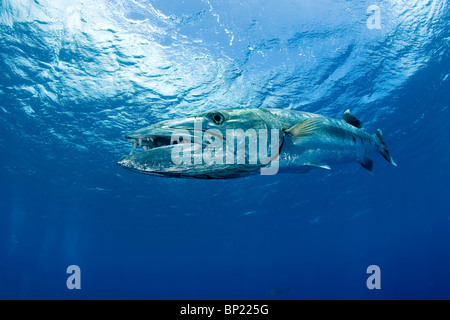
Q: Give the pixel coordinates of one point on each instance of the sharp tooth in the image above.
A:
(131, 151)
(134, 145)
(145, 148)
(140, 142)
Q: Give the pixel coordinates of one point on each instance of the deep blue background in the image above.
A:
(77, 76)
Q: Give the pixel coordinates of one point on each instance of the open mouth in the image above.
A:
(151, 151)
(153, 141)
(154, 152)
(149, 142)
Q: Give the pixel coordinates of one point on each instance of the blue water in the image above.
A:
(77, 75)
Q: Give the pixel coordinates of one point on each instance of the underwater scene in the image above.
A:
(224, 150)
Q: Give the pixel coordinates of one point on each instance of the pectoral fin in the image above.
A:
(305, 129)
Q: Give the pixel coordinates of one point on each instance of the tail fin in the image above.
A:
(384, 150)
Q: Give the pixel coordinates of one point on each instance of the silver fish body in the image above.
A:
(298, 141)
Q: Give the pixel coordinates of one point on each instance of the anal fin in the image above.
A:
(367, 164)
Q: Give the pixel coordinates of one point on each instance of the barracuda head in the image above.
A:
(214, 145)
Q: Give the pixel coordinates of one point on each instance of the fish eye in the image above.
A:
(218, 118)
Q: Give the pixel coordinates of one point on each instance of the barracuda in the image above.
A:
(298, 142)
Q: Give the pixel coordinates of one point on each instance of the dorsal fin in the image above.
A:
(351, 119)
